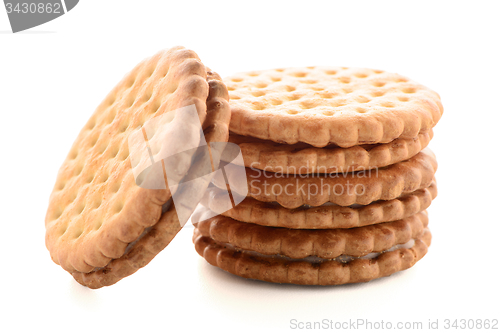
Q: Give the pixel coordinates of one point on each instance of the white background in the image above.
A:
(53, 76)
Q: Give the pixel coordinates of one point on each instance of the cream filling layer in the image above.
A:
(317, 260)
(326, 204)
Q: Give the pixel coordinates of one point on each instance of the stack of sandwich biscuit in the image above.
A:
(339, 177)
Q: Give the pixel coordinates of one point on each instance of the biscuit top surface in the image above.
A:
(330, 105)
(96, 208)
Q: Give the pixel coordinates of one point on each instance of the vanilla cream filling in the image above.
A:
(326, 204)
(317, 260)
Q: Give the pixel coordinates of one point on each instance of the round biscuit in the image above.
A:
(330, 105)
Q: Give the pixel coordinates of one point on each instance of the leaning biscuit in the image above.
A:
(344, 189)
(327, 216)
(100, 225)
(301, 158)
(330, 105)
(279, 269)
(322, 243)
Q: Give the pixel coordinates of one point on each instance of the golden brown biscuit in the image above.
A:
(328, 216)
(344, 189)
(326, 272)
(322, 243)
(330, 105)
(301, 158)
(100, 224)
